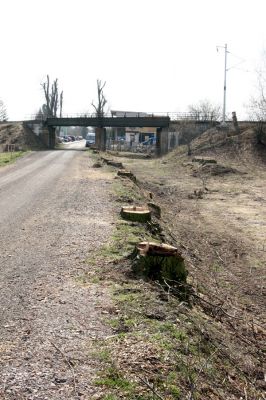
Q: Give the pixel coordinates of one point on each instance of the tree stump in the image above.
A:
(160, 262)
(127, 174)
(115, 164)
(204, 160)
(138, 214)
(97, 165)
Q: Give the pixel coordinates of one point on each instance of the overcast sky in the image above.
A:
(155, 55)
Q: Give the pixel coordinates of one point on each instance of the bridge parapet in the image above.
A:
(126, 116)
(153, 121)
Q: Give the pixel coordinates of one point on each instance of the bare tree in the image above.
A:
(52, 98)
(61, 104)
(99, 107)
(257, 106)
(3, 112)
(205, 111)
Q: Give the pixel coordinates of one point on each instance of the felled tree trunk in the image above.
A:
(160, 262)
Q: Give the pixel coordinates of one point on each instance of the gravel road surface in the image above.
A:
(54, 210)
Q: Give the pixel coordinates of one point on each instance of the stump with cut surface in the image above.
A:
(160, 262)
(127, 174)
(134, 213)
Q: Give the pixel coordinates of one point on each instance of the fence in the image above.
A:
(132, 147)
(7, 148)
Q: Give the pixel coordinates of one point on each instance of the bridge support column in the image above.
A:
(100, 138)
(161, 141)
(52, 136)
(47, 135)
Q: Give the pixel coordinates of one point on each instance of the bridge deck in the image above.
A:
(151, 121)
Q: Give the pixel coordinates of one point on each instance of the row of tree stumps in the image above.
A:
(157, 261)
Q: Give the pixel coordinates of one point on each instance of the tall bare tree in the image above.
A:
(61, 104)
(3, 112)
(53, 99)
(99, 107)
(257, 106)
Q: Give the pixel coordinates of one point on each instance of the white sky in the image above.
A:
(156, 55)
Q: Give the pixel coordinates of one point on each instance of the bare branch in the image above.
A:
(99, 108)
(3, 112)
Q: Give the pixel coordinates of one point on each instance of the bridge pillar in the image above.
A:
(52, 138)
(100, 138)
(161, 141)
(47, 135)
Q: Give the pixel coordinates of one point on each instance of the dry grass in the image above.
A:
(214, 347)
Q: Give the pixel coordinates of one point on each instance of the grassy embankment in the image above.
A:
(162, 347)
(8, 158)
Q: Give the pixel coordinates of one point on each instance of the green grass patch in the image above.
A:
(113, 379)
(124, 239)
(126, 193)
(9, 158)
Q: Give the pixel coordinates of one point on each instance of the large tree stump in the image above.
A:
(127, 174)
(134, 213)
(116, 164)
(160, 262)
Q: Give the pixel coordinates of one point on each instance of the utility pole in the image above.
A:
(225, 70)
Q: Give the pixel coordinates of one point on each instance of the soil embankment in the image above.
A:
(215, 213)
(20, 136)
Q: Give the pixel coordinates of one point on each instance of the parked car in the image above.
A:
(90, 140)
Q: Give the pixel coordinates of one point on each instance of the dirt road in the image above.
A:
(54, 210)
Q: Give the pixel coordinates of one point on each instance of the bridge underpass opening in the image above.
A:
(161, 123)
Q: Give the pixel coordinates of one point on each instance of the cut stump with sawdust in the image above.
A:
(134, 213)
(161, 262)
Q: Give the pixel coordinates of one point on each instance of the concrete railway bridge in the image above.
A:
(46, 128)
